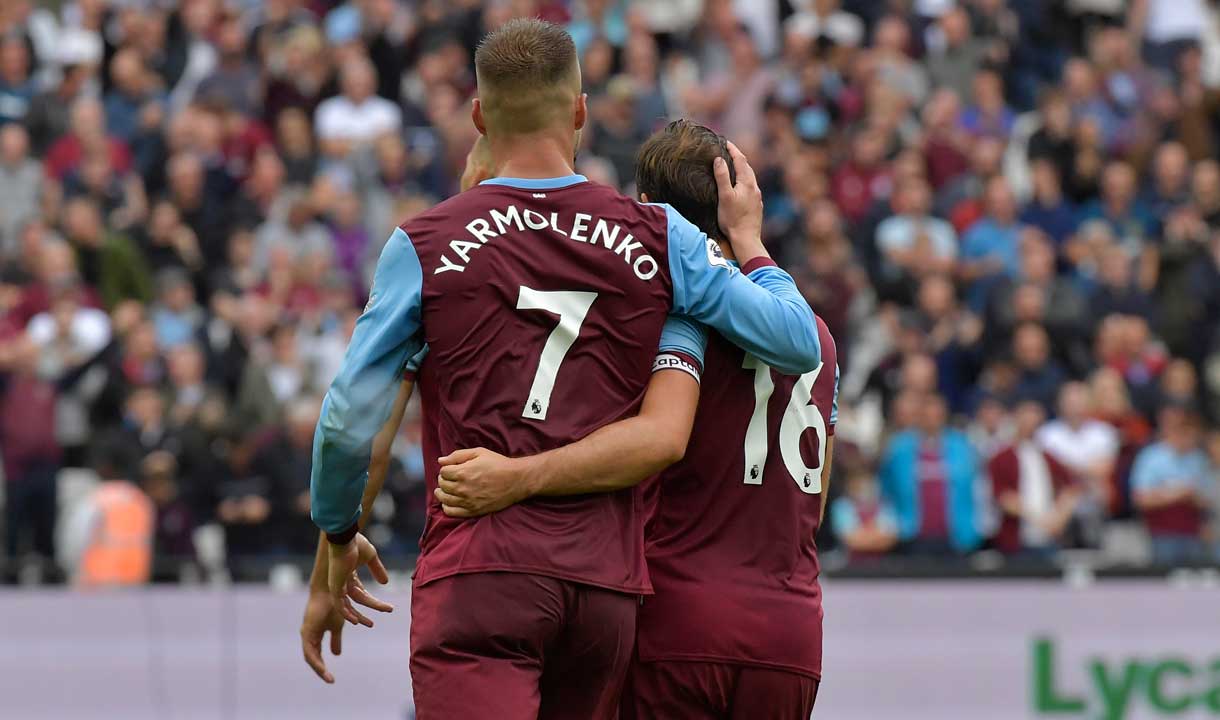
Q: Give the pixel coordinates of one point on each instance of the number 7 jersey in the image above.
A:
(541, 303)
(730, 542)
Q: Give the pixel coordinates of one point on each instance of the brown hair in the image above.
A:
(527, 75)
(675, 166)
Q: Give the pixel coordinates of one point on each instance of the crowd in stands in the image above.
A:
(1007, 212)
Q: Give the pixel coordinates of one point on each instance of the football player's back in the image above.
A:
(543, 304)
(735, 625)
(731, 541)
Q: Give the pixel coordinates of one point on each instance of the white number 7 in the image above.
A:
(571, 306)
(799, 415)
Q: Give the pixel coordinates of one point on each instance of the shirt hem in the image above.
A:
(714, 658)
(531, 570)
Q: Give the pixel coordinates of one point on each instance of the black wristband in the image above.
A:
(343, 538)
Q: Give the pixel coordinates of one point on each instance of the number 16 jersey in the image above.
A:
(542, 304)
(730, 541)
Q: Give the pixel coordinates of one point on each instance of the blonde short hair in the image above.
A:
(528, 76)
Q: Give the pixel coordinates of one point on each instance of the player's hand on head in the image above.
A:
(478, 481)
(346, 587)
(740, 205)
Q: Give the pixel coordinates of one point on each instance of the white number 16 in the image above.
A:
(799, 415)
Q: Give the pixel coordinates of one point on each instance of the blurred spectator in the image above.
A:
(945, 148)
(1119, 205)
(616, 131)
(732, 102)
(20, 185)
(134, 101)
(989, 114)
(1170, 484)
(188, 386)
(200, 204)
(1169, 28)
(1053, 142)
(144, 429)
(16, 83)
(912, 242)
(277, 374)
(1118, 293)
(863, 178)
(175, 316)
(283, 456)
(69, 331)
(1125, 343)
(87, 133)
(1042, 296)
(1039, 374)
(1034, 492)
(348, 236)
(895, 66)
(1113, 406)
(357, 117)
(928, 476)
(168, 243)
(117, 535)
(991, 247)
(641, 65)
(234, 81)
(953, 338)
(1086, 447)
(173, 542)
(861, 520)
(31, 453)
(1199, 99)
(1170, 185)
(294, 137)
(49, 115)
(959, 56)
(1049, 210)
(109, 261)
(598, 18)
(826, 19)
(244, 511)
(298, 71)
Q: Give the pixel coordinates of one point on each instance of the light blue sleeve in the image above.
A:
(682, 334)
(764, 314)
(1145, 470)
(362, 394)
(834, 404)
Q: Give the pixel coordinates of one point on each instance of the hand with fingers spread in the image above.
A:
(478, 481)
(740, 211)
(321, 617)
(323, 613)
(344, 581)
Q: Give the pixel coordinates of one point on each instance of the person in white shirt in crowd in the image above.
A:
(824, 18)
(1087, 447)
(357, 117)
(1034, 492)
(1168, 28)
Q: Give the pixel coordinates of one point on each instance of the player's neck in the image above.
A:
(532, 156)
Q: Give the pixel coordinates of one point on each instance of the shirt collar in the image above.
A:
(537, 183)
